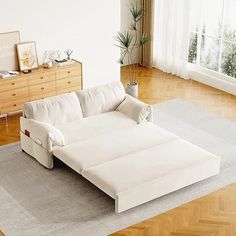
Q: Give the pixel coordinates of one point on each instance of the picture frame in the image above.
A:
(8, 51)
(27, 56)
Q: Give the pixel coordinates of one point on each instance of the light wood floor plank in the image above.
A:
(211, 215)
(10, 131)
(156, 86)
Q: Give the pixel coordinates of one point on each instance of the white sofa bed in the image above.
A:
(108, 138)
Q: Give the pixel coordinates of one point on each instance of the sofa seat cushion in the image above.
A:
(165, 163)
(94, 126)
(104, 148)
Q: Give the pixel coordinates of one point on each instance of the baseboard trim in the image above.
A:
(215, 82)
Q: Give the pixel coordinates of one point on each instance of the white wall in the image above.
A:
(125, 19)
(86, 26)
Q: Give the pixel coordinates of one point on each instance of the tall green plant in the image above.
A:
(132, 39)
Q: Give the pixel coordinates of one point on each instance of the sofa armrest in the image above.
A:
(135, 109)
(42, 133)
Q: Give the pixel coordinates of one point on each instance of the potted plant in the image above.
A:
(130, 40)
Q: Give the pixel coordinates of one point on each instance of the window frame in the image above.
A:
(197, 65)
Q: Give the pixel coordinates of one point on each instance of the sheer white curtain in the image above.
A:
(171, 36)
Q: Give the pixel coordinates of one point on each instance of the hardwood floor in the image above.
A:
(154, 87)
(212, 215)
(10, 133)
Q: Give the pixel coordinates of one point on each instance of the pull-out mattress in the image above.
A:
(95, 151)
(138, 164)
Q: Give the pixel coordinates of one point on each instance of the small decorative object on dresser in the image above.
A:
(41, 83)
(68, 53)
(52, 55)
(27, 56)
(47, 62)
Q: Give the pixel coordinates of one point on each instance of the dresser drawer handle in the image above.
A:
(41, 77)
(12, 83)
(13, 94)
(68, 72)
(14, 105)
(42, 88)
(69, 82)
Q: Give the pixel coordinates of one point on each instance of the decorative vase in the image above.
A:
(47, 64)
(132, 89)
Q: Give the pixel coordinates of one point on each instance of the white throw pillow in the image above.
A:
(135, 109)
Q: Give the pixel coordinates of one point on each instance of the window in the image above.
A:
(212, 42)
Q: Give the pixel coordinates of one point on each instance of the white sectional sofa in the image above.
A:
(108, 137)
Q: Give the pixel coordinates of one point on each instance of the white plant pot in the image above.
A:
(132, 90)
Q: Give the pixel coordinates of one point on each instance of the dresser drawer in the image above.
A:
(13, 105)
(42, 89)
(68, 72)
(9, 84)
(68, 83)
(69, 90)
(42, 96)
(14, 94)
(39, 78)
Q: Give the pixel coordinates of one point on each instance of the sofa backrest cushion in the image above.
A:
(101, 99)
(54, 110)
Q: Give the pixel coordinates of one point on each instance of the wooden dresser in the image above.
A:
(39, 84)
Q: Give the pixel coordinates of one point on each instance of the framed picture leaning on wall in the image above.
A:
(27, 56)
(8, 53)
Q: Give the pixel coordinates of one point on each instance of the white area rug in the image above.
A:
(36, 201)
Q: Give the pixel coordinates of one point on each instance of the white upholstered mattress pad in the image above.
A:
(132, 156)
